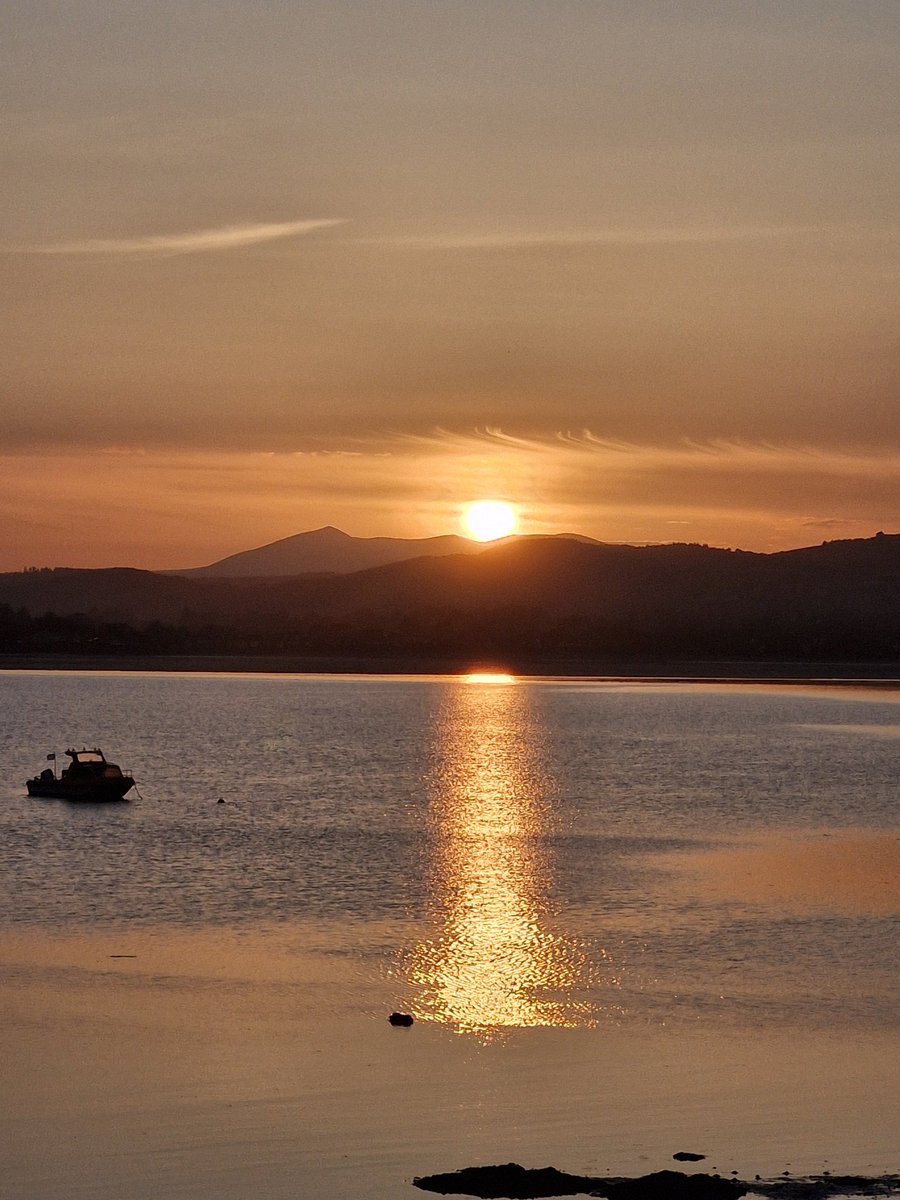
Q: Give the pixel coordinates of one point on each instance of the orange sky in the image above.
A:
(630, 266)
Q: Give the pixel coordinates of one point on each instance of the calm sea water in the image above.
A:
(538, 871)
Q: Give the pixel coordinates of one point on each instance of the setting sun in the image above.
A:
(487, 520)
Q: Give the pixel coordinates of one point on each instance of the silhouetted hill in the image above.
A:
(537, 596)
(328, 550)
(113, 593)
(332, 551)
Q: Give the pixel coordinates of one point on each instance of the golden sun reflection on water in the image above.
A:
(489, 677)
(494, 964)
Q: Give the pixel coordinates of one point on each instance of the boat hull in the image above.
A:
(89, 777)
(90, 791)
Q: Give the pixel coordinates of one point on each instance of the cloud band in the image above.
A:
(229, 237)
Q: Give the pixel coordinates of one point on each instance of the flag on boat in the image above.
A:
(49, 756)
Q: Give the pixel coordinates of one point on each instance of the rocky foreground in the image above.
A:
(514, 1182)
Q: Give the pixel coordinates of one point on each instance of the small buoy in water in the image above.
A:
(400, 1019)
(220, 800)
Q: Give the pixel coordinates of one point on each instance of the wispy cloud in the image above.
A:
(611, 236)
(200, 241)
(708, 456)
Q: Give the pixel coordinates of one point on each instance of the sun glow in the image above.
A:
(488, 677)
(487, 520)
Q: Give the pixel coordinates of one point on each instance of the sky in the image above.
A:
(630, 266)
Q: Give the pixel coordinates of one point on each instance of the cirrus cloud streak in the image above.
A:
(608, 236)
(200, 241)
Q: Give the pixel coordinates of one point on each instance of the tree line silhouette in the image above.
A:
(546, 599)
(505, 633)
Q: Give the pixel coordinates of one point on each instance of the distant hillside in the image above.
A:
(331, 551)
(538, 596)
(113, 593)
(328, 550)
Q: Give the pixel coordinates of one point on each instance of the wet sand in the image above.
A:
(839, 871)
(231, 1064)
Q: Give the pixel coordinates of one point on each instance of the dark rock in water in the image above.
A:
(688, 1156)
(517, 1183)
(400, 1019)
(513, 1182)
(509, 1180)
(672, 1185)
(821, 1187)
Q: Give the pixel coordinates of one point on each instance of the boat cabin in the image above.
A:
(90, 762)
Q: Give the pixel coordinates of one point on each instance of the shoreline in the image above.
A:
(513, 1180)
(880, 674)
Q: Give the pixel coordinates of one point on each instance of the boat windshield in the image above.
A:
(88, 756)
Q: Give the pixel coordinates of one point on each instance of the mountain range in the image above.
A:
(557, 598)
(333, 551)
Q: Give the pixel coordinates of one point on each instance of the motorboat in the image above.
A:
(87, 777)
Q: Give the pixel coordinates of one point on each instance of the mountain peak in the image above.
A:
(330, 532)
(329, 550)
